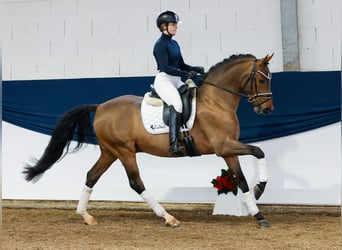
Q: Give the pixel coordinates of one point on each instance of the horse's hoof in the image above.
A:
(90, 221)
(257, 192)
(172, 223)
(263, 223)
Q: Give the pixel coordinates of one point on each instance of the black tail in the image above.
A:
(77, 118)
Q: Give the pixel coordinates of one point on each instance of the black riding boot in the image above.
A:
(174, 124)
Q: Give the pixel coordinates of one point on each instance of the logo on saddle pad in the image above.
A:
(155, 113)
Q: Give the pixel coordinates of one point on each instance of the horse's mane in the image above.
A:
(226, 61)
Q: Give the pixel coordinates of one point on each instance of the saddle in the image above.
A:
(155, 114)
(186, 92)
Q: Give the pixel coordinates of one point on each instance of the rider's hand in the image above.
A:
(191, 74)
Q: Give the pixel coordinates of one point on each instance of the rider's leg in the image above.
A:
(167, 88)
(174, 124)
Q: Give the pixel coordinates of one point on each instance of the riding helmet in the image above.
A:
(167, 17)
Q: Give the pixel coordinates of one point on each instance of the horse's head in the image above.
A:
(252, 75)
(258, 86)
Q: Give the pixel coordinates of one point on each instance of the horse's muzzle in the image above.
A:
(264, 108)
(267, 110)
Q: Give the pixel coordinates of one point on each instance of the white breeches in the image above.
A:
(166, 87)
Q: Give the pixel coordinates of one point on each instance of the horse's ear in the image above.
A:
(267, 59)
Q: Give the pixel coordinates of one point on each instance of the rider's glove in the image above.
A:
(199, 70)
(191, 74)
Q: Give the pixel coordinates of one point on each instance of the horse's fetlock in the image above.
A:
(259, 216)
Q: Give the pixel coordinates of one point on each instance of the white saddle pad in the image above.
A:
(152, 117)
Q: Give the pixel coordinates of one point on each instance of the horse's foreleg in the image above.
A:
(137, 185)
(263, 177)
(93, 176)
(231, 148)
(234, 164)
(159, 210)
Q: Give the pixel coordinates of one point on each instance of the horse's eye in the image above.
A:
(262, 81)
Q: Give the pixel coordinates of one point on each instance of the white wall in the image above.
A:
(303, 169)
(45, 39)
(319, 28)
(104, 38)
(86, 38)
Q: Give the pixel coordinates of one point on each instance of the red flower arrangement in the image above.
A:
(226, 183)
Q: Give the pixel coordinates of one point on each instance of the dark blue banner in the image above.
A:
(303, 101)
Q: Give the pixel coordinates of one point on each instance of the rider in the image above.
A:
(171, 68)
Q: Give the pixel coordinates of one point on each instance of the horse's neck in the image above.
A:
(222, 99)
(217, 99)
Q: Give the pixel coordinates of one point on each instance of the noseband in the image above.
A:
(251, 78)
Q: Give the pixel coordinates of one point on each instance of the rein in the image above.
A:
(252, 78)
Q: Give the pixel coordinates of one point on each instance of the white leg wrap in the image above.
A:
(263, 170)
(156, 207)
(252, 207)
(83, 203)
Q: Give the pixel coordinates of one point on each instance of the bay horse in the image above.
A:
(120, 132)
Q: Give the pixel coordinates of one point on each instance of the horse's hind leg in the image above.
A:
(93, 175)
(135, 182)
(234, 164)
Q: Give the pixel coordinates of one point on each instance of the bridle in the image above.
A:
(251, 78)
